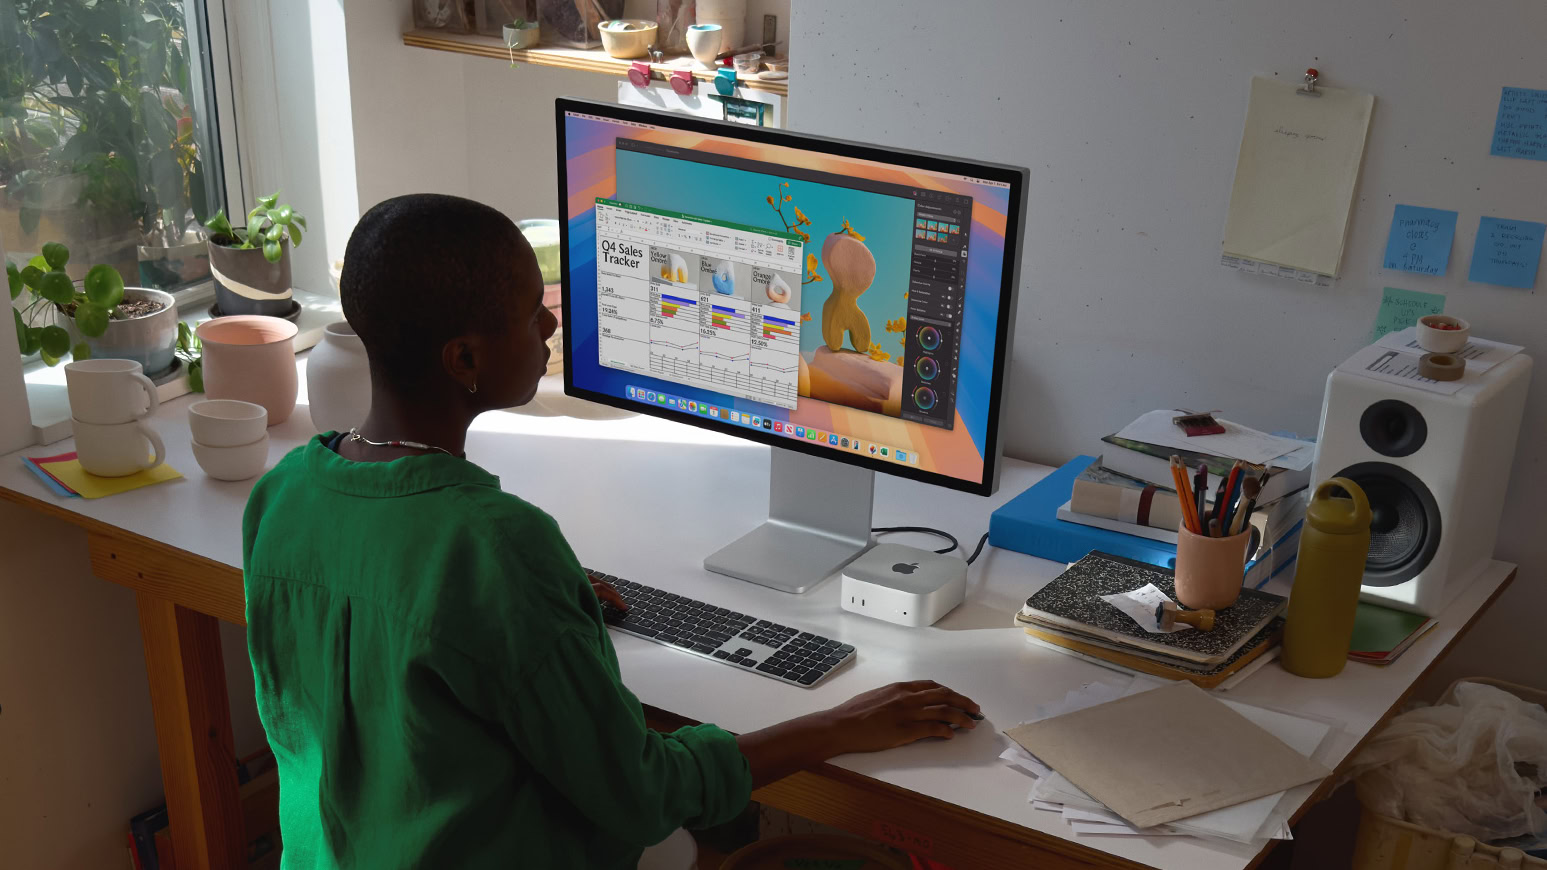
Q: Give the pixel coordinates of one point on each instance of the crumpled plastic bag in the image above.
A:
(1473, 765)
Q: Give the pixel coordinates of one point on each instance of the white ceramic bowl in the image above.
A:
(227, 422)
(628, 37)
(1442, 340)
(233, 463)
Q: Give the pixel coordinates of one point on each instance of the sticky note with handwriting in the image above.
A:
(1507, 252)
(1400, 309)
(1420, 240)
(1521, 129)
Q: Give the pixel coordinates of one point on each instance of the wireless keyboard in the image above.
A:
(780, 652)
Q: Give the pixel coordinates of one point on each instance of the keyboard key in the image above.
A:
(747, 663)
(805, 635)
(684, 641)
(845, 649)
(647, 632)
(721, 654)
(765, 667)
(777, 671)
(704, 647)
(810, 678)
(738, 658)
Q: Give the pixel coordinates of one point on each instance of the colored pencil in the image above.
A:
(1180, 479)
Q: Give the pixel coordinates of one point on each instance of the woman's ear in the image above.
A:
(460, 357)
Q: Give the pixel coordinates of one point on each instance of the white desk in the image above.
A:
(647, 499)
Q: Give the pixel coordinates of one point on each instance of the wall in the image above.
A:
(1129, 117)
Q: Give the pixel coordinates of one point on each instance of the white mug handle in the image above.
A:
(155, 443)
(152, 402)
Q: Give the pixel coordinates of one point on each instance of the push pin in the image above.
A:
(725, 81)
(639, 74)
(1311, 78)
(1167, 615)
(682, 82)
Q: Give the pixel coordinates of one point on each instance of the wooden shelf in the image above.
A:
(591, 60)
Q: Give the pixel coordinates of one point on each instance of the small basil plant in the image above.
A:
(268, 224)
(53, 293)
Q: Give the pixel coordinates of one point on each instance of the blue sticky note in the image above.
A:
(1507, 252)
(1521, 129)
(1420, 240)
(1400, 309)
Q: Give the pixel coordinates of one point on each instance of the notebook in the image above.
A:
(1072, 603)
(1207, 676)
(1382, 634)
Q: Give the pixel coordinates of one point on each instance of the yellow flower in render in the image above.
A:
(811, 262)
(897, 325)
(877, 354)
(805, 316)
(787, 198)
(850, 230)
(770, 200)
(786, 184)
(800, 216)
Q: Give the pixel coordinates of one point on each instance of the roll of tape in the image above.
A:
(1441, 366)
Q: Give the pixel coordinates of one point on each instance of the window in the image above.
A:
(108, 136)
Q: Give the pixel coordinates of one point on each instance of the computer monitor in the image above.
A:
(849, 305)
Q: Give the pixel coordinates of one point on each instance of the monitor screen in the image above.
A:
(843, 300)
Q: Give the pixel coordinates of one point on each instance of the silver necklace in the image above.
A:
(354, 435)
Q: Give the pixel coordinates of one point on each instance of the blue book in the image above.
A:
(1029, 524)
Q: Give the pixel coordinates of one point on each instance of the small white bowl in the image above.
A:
(233, 463)
(1436, 340)
(628, 37)
(227, 422)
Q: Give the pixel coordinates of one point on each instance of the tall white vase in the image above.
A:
(338, 380)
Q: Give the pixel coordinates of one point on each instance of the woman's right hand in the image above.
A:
(899, 714)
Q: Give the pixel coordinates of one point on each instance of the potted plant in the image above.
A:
(99, 317)
(251, 264)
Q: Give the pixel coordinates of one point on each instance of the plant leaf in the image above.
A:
(284, 214)
(184, 335)
(272, 252)
(219, 225)
(295, 236)
(56, 342)
(91, 319)
(104, 286)
(31, 275)
(275, 233)
(295, 218)
(81, 351)
(196, 376)
(40, 263)
(29, 218)
(21, 330)
(13, 278)
(56, 255)
(33, 342)
(48, 359)
(57, 288)
(269, 201)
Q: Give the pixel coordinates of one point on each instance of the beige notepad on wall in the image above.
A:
(1166, 754)
(1295, 177)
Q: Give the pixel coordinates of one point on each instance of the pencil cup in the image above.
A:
(1209, 570)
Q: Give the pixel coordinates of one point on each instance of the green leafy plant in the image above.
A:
(267, 224)
(92, 305)
(190, 349)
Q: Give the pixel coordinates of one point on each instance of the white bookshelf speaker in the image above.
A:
(1435, 469)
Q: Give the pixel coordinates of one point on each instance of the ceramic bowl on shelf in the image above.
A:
(1441, 333)
(227, 422)
(628, 37)
(233, 463)
(704, 43)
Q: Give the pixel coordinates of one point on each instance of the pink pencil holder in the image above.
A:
(1209, 571)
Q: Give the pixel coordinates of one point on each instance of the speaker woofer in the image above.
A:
(1405, 522)
(1394, 428)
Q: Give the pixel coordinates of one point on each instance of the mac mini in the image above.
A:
(904, 584)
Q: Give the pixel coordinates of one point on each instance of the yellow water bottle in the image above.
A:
(1328, 571)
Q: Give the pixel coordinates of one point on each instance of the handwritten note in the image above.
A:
(1420, 240)
(1139, 604)
(1507, 252)
(1400, 309)
(1521, 130)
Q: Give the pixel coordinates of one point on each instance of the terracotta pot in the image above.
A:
(251, 358)
(338, 380)
(247, 283)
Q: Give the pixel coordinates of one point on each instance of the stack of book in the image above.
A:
(1070, 613)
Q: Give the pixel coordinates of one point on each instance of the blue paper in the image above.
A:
(1507, 252)
(1029, 524)
(1521, 130)
(1420, 240)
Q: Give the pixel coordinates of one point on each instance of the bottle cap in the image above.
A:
(1333, 514)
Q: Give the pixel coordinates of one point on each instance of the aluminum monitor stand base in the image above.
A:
(818, 521)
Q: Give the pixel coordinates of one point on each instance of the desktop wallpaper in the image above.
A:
(595, 168)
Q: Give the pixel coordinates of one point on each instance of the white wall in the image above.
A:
(1129, 116)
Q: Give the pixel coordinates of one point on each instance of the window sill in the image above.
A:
(50, 404)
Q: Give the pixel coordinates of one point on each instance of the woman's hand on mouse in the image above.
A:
(899, 714)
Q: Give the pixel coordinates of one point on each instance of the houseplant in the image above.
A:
(251, 264)
(98, 317)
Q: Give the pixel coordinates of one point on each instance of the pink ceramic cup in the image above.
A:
(252, 358)
(1209, 571)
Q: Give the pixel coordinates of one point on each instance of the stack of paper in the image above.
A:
(1251, 822)
(64, 477)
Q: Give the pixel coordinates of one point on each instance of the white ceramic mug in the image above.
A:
(107, 391)
(704, 43)
(117, 449)
(227, 422)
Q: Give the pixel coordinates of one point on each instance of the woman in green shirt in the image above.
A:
(432, 669)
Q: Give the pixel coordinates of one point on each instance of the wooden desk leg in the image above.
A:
(193, 733)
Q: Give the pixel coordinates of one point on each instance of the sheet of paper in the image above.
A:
(1398, 366)
(1400, 309)
(1237, 442)
(1507, 252)
(1017, 757)
(1092, 829)
(72, 475)
(1247, 266)
(1420, 240)
(1480, 354)
(1166, 755)
(1295, 176)
(1140, 606)
(1521, 128)
(1047, 806)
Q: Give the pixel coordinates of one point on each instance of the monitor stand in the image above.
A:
(818, 521)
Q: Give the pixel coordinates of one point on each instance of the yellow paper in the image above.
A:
(1295, 177)
(90, 486)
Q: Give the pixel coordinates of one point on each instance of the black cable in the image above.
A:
(888, 530)
(978, 549)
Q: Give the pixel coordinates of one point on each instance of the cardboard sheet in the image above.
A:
(1165, 755)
